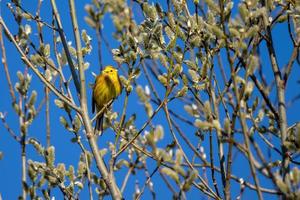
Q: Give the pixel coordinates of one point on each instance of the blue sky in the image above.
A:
(67, 152)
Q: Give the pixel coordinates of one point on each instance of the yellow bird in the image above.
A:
(107, 87)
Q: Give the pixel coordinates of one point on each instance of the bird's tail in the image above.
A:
(99, 125)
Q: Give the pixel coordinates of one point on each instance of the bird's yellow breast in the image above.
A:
(107, 87)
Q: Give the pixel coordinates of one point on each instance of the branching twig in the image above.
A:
(36, 71)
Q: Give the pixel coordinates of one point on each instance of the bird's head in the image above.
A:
(110, 70)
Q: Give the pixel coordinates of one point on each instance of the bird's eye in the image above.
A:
(111, 70)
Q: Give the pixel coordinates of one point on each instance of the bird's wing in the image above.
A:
(93, 101)
(120, 83)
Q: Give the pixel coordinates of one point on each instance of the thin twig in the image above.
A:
(140, 131)
(4, 62)
(65, 45)
(46, 89)
(9, 130)
(147, 182)
(281, 102)
(99, 45)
